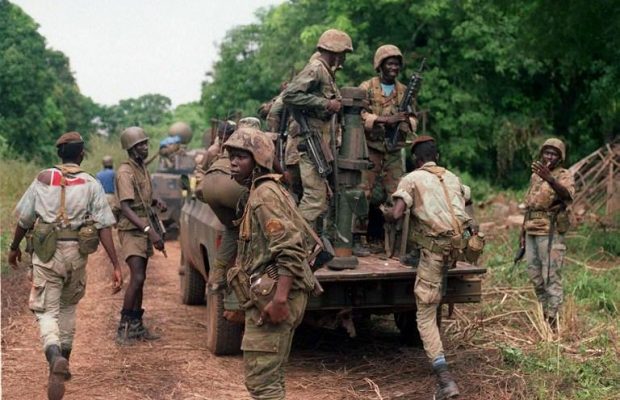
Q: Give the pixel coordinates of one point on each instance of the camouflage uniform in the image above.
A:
(544, 266)
(423, 193)
(310, 92)
(381, 181)
(133, 182)
(60, 283)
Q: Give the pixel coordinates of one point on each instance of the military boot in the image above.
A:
(66, 353)
(446, 387)
(140, 330)
(125, 334)
(59, 367)
(553, 323)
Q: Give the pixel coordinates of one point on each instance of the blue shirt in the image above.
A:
(387, 89)
(106, 177)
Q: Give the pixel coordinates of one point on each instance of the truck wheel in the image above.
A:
(406, 322)
(223, 336)
(192, 284)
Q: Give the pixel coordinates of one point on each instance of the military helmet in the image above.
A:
(335, 41)
(386, 51)
(107, 161)
(182, 130)
(254, 142)
(132, 136)
(556, 144)
(249, 122)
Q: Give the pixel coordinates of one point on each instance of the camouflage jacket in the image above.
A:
(271, 232)
(422, 191)
(382, 105)
(541, 197)
(310, 91)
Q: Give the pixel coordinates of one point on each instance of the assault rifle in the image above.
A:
(282, 138)
(312, 144)
(391, 137)
(157, 225)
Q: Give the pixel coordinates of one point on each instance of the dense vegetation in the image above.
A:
(501, 75)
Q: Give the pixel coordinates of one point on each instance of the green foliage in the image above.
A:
(146, 110)
(501, 76)
(39, 99)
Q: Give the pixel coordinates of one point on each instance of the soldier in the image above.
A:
(546, 220)
(224, 130)
(385, 94)
(137, 236)
(106, 178)
(179, 135)
(271, 255)
(436, 199)
(63, 205)
(313, 92)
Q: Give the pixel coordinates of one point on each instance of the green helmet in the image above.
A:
(335, 41)
(132, 136)
(107, 161)
(386, 51)
(556, 144)
(254, 142)
(182, 130)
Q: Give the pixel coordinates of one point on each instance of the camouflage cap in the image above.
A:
(335, 41)
(386, 51)
(421, 139)
(69, 137)
(254, 142)
(556, 144)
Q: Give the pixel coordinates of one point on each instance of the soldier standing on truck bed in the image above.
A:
(385, 94)
(135, 232)
(68, 212)
(546, 221)
(314, 95)
(436, 199)
(271, 277)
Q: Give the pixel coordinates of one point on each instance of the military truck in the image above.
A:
(174, 161)
(372, 285)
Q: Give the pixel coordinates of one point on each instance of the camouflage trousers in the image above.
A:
(314, 199)
(428, 293)
(57, 287)
(266, 349)
(382, 180)
(544, 270)
(225, 255)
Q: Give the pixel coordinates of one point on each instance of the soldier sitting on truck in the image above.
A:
(436, 199)
(179, 135)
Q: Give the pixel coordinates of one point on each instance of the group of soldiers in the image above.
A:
(272, 239)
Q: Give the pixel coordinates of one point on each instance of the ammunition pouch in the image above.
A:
(44, 238)
(474, 249)
(239, 281)
(562, 222)
(88, 238)
(262, 289)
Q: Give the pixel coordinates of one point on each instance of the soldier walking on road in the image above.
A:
(137, 236)
(546, 220)
(106, 178)
(67, 210)
(271, 277)
(436, 199)
(314, 95)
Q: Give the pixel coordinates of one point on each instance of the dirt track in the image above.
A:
(323, 365)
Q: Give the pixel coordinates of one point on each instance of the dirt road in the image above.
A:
(323, 365)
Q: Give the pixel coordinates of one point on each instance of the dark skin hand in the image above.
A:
(130, 214)
(16, 255)
(550, 160)
(105, 235)
(333, 105)
(277, 310)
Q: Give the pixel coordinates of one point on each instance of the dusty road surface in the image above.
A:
(323, 365)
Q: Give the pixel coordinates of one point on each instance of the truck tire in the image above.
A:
(192, 284)
(223, 336)
(406, 322)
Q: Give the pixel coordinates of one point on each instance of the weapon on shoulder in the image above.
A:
(157, 225)
(415, 82)
(282, 138)
(313, 146)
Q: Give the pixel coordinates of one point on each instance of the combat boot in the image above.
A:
(59, 367)
(66, 353)
(124, 333)
(140, 330)
(446, 387)
(553, 323)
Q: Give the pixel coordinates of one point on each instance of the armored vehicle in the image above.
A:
(354, 288)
